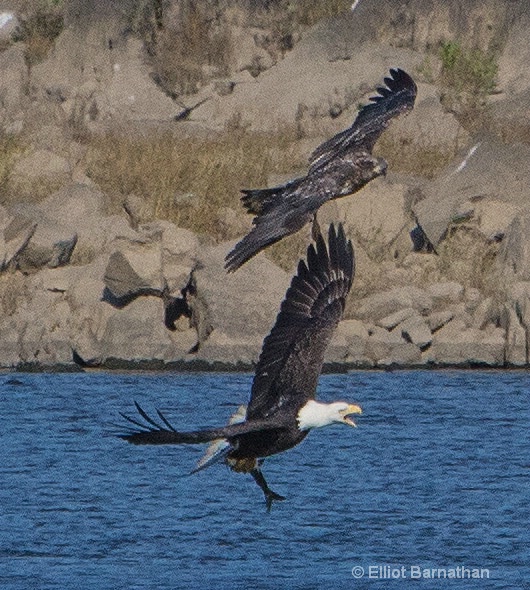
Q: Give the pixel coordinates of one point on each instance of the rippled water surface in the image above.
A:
(435, 476)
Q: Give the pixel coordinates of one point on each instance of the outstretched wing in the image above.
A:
(293, 353)
(268, 229)
(145, 430)
(396, 97)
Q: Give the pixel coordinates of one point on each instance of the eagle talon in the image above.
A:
(282, 407)
(270, 497)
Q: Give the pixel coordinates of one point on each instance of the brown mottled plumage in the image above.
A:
(340, 166)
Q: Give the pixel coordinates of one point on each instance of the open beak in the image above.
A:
(351, 409)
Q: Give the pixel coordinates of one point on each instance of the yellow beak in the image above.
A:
(351, 409)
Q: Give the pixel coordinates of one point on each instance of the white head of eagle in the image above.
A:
(282, 409)
(316, 414)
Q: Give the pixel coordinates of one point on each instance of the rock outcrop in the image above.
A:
(114, 309)
(13, 84)
(486, 187)
(81, 287)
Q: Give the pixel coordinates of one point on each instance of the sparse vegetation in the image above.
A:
(40, 28)
(13, 292)
(467, 78)
(210, 172)
(195, 43)
(290, 250)
(188, 53)
(309, 13)
(416, 157)
(10, 148)
(472, 70)
(467, 257)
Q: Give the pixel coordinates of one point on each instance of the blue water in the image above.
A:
(435, 476)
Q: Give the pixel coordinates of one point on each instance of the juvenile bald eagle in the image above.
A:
(340, 166)
(282, 409)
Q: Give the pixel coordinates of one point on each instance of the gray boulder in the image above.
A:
(137, 333)
(156, 260)
(9, 24)
(446, 292)
(349, 344)
(13, 85)
(386, 348)
(391, 321)
(40, 324)
(131, 92)
(376, 218)
(511, 110)
(514, 254)
(15, 234)
(485, 313)
(486, 187)
(438, 319)
(133, 271)
(50, 243)
(9, 343)
(517, 321)
(376, 307)
(40, 166)
(238, 309)
(517, 340)
(135, 207)
(72, 218)
(455, 344)
(81, 208)
(180, 250)
(74, 204)
(47, 248)
(416, 330)
(405, 355)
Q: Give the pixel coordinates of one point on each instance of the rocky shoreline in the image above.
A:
(443, 261)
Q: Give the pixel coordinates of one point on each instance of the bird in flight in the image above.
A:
(282, 407)
(340, 166)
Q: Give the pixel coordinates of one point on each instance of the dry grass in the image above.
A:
(196, 48)
(467, 79)
(290, 250)
(14, 188)
(195, 43)
(10, 149)
(465, 256)
(189, 180)
(24, 190)
(309, 13)
(13, 292)
(39, 28)
(414, 157)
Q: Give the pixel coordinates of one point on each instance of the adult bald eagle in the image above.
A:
(282, 409)
(340, 166)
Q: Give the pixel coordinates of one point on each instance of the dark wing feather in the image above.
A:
(293, 353)
(268, 229)
(147, 431)
(396, 97)
(262, 200)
